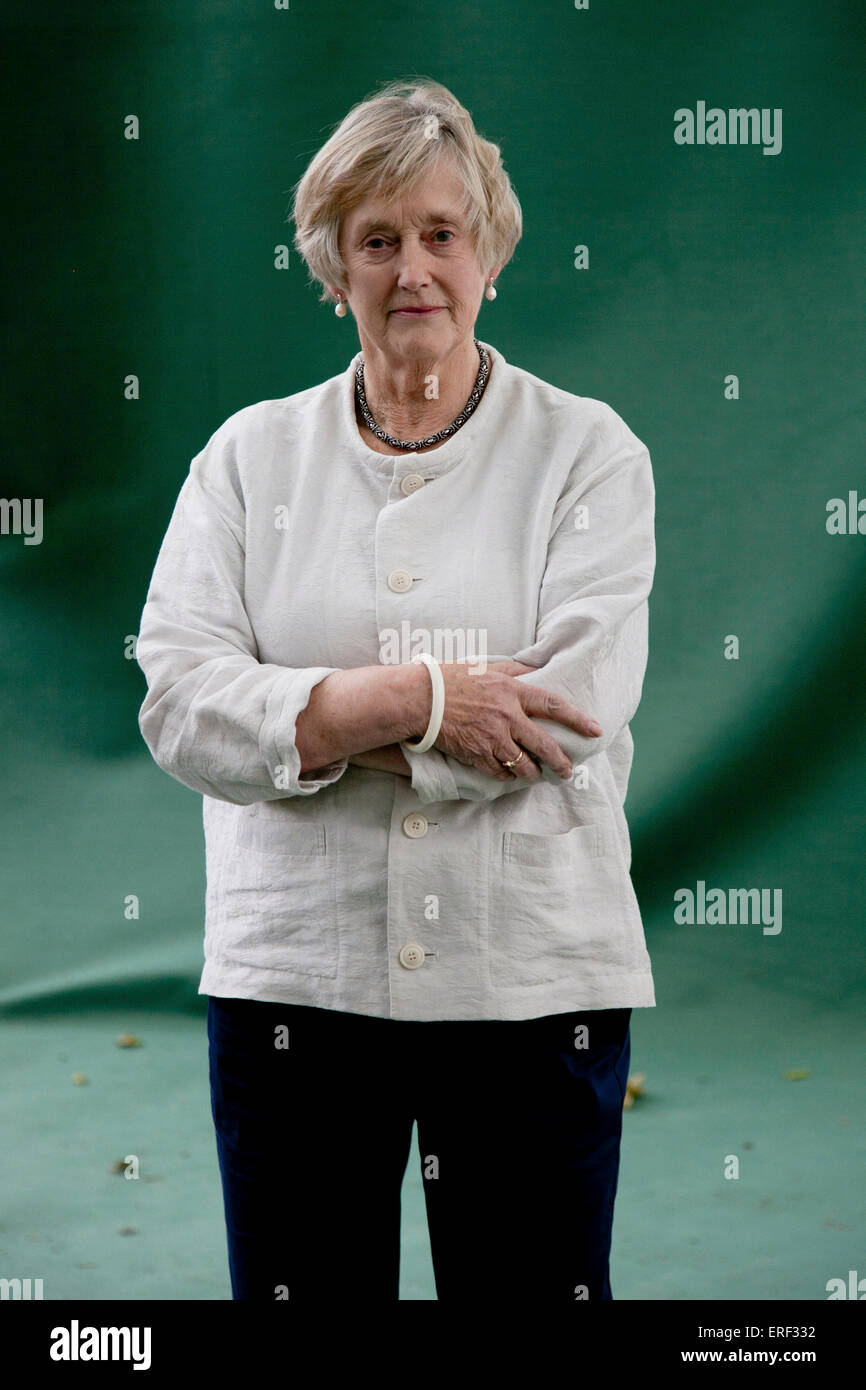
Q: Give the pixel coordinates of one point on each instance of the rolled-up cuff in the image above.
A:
(277, 733)
(432, 778)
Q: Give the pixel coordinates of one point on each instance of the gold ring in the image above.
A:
(514, 761)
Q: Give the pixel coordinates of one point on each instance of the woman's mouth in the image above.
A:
(418, 313)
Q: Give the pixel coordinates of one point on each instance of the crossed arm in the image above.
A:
(391, 758)
(240, 730)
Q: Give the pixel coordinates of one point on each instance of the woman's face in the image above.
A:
(410, 253)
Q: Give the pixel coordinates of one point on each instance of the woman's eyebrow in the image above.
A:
(375, 224)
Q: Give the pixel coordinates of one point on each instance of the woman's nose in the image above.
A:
(412, 265)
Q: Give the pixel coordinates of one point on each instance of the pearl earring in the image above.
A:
(340, 309)
(490, 292)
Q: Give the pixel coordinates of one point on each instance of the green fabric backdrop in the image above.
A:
(155, 257)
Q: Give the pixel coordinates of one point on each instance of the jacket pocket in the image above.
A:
(559, 906)
(548, 851)
(272, 892)
(274, 832)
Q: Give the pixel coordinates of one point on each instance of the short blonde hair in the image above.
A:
(381, 148)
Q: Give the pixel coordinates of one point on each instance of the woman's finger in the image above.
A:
(540, 745)
(546, 704)
(525, 766)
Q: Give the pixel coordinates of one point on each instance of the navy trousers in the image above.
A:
(519, 1129)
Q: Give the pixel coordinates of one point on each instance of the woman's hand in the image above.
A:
(489, 718)
(488, 714)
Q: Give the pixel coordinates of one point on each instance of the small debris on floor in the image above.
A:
(633, 1087)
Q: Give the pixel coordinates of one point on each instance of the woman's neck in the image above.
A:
(417, 401)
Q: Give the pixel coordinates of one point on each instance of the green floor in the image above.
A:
(792, 1220)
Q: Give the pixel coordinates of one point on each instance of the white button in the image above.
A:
(399, 581)
(415, 825)
(412, 956)
(411, 483)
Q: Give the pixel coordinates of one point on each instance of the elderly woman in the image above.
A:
(394, 636)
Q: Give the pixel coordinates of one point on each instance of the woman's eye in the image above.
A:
(377, 243)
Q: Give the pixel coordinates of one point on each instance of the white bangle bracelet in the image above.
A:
(438, 709)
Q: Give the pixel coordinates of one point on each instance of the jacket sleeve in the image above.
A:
(591, 633)
(215, 717)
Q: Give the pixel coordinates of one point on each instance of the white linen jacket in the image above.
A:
(294, 550)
